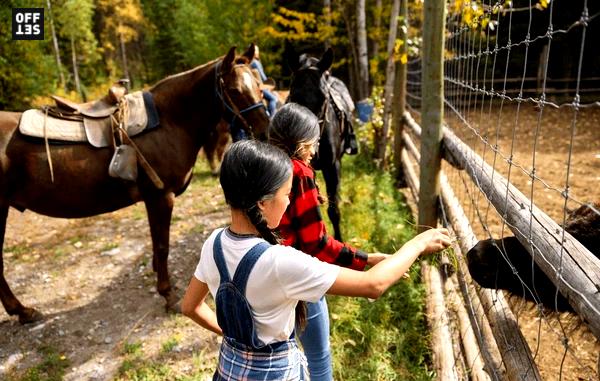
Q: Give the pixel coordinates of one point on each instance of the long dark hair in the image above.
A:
(291, 126)
(253, 171)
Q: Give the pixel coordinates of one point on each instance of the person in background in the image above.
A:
(259, 285)
(295, 129)
(267, 94)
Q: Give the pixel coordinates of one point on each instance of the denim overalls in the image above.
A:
(243, 356)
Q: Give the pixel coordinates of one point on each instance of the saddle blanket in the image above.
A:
(142, 115)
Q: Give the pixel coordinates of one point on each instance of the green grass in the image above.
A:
(78, 238)
(138, 369)
(51, 368)
(138, 211)
(132, 349)
(170, 344)
(17, 250)
(135, 367)
(386, 339)
(109, 246)
(202, 174)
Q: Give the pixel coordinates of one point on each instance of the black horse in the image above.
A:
(327, 97)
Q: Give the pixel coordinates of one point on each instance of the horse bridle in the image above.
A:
(236, 113)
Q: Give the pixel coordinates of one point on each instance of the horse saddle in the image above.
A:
(340, 95)
(344, 105)
(90, 122)
(100, 108)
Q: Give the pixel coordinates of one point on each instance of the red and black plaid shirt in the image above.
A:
(303, 228)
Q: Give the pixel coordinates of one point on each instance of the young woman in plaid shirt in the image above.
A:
(256, 311)
(295, 129)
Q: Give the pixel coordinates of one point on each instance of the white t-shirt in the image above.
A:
(280, 278)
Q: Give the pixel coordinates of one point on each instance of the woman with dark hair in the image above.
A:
(256, 307)
(295, 129)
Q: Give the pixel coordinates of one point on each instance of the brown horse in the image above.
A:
(214, 148)
(189, 105)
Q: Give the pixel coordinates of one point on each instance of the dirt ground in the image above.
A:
(514, 135)
(92, 279)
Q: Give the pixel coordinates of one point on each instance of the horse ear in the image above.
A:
(326, 61)
(228, 61)
(250, 52)
(292, 58)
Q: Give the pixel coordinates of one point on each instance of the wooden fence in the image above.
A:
(491, 346)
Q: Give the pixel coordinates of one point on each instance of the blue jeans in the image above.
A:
(237, 133)
(315, 341)
(271, 102)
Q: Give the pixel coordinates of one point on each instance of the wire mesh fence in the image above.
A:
(522, 91)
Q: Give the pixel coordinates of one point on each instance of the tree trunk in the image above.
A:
(363, 57)
(354, 76)
(327, 13)
(76, 70)
(389, 83)
(61, 75)
(400, 96)
(124, 59)
(377, 35)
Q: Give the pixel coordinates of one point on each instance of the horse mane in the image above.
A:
(184, 75)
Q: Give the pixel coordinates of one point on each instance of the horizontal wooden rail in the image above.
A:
(439, 324)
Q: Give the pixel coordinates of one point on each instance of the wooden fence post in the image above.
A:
(432, 110)
(400, 95)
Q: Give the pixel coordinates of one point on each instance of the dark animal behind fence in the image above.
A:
(189, 106)
(490, 261)
(314, 88)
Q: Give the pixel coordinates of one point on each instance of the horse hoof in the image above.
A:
(174, 308)
(29, 315)
(173, 304)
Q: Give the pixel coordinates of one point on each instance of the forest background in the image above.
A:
(91, 43)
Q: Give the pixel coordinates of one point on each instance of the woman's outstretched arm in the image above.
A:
(194, 306)
(377, 279)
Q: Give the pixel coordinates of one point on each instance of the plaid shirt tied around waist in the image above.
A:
(241, 363)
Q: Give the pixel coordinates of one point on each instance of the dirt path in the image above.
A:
(92, 278)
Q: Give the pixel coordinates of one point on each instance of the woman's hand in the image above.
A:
(373, 282)
(375, 258)
(433, 240)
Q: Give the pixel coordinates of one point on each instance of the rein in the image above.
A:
(323, 114)
(229, 105)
